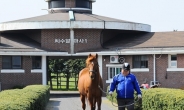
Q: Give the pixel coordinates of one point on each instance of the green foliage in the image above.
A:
(34, 97)
(72, 84)
(66, 66)
(163, 99)
(56, 65)
(158, 99)
(66, 69)
(73, 66)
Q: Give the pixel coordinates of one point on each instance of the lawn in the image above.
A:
(62, 83)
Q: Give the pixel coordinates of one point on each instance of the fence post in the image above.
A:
(0, 86)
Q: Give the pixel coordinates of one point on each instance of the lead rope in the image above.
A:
(112, 99)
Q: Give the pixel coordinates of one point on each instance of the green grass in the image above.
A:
(62, 83)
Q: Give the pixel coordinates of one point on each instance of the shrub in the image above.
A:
(158, 99)
(34, 97)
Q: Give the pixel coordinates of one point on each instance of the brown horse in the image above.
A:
(89, 80)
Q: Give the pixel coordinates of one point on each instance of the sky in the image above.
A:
(162, 15)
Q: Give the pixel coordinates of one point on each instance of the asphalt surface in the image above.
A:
(71, 101)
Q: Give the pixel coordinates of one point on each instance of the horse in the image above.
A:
(89, 82)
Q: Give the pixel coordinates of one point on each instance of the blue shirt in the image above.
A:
(125, 85)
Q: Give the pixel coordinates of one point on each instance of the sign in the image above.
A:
(68, 41)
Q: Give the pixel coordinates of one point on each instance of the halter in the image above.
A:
(93, 71)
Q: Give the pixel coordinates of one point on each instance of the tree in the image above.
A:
(68, 67)
(73, 66)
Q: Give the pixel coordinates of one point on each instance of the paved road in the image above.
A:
(72, 102)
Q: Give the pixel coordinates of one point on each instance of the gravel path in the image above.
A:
(72, 102)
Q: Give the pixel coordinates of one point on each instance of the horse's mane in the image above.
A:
(91, 58)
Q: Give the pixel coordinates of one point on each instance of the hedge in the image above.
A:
(33, 97)
(158, 99)
(163, 99)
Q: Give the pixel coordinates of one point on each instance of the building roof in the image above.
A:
(62, 21)
(143, 43)
(65, 17)
(18, 41)
(148, 40)
(19, 44)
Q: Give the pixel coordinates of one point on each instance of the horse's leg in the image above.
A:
(99, 101)
(90, 100)
(83, 101)
(94, 103)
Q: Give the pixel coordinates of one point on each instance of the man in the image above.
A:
(125, 83)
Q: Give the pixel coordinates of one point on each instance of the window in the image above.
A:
(173, 61)
(140, 61)
(112, 71)
(11, 62)
(82, 3)
(36, 62)
(57, 4)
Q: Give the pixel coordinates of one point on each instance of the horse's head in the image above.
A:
(92, 65)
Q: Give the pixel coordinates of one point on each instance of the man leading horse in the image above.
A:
(125, 83)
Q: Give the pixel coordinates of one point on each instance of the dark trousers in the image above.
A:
(124, 102)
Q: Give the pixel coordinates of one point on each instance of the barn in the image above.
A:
(70, 29)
